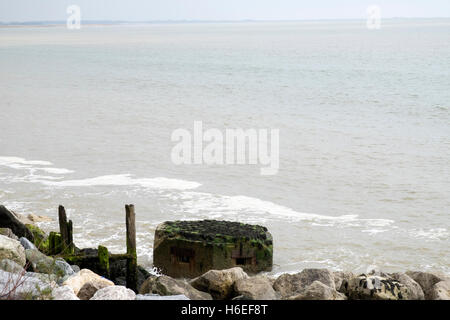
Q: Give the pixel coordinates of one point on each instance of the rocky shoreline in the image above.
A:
(27, 272)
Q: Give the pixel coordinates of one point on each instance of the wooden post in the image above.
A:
(103, 259)
(63, 225)
(66, 230)
(71, 247)
(131, 248)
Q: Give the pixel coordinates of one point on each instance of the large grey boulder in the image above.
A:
(16, 286)
(219, 283)
(64, 293)
(40, 262)
(318, 291)
(7, 232)
(288, 285)
(86, 283)
(426, 280)
(158, 297)
(415, 291)
(11, 266)
(167, 286)
(255, 288)
(441, 291)
(9, 220)
(12, 249)
(372, 287)
(114, 293)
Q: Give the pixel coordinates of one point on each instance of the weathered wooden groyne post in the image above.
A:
(131, 277)
(98, 260)
(66, 231)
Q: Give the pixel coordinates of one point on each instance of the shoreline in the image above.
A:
(26, 256)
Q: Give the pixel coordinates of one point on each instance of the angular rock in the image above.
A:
(12, 249)
(167, 286)
(9, 220)
(288, 285)
(64, 293)
(365, 287)
(47, 278)
(426, 280)
(39, 261)
(415, 291)
(157, 297)
(219, 283)
(318, 291)
(7, 232)
(114, 293)
(75, 268)
(11, 266)
(36, 218)
(27, 244)
(340, 276)
(441, 291)
(86, 283)
(19, 287)
(255, 288)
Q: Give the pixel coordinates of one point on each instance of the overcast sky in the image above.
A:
(146, 10)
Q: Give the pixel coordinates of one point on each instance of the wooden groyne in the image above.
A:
(98, 260)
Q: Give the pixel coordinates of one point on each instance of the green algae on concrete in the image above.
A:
(191, 248)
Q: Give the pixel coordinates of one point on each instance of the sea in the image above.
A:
(363, 115)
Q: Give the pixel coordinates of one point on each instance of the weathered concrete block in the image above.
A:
(191, 248)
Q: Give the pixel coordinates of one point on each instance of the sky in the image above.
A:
(157, 10)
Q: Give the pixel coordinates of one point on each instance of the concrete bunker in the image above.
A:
(191, 248)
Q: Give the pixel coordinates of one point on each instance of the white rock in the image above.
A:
(17, 286)
(114, 293)
(64, 293)
(12, 249)
(85, 283)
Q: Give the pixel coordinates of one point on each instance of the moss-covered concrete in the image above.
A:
(190, 248)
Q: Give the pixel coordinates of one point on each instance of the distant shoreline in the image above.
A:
(118, 22)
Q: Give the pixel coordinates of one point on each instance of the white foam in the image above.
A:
(125, 180)
(56, 170)
(15, 162)
(216, 205)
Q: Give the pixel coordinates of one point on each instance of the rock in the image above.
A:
(86, 283)
(219, 283)
(27, 244)
(63, 268)
(64, 293)
(157, 297)
(366, 287)
(36, 218)
(12, 249)
(11, 266)
(426, 280)
(114, 293)
(255, 288)
(288, 285)
(118, 271)
(318, 291)
(7, 232)
(9, 220)
(75, 268)
(441, 291)
(415, 291)
(39, 261)
(167, 286)
(19, 287)
(47, 278)
(340, 276)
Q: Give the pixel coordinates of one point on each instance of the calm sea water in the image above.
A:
(364, 119)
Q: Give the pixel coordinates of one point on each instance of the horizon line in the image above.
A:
(63, 22)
